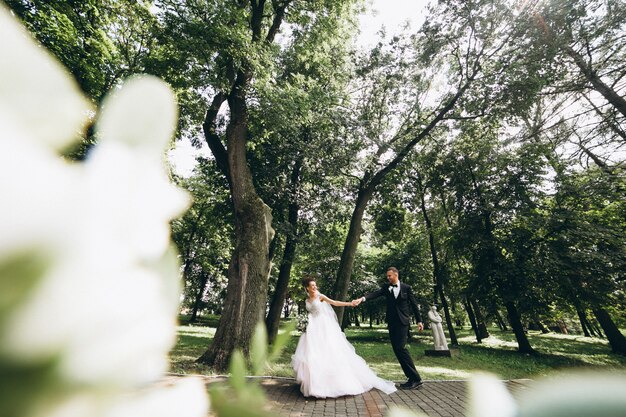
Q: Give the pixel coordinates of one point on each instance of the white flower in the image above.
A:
(185, 397)
(89, 282)
(580, 394)
(488, 397)
(38, 99)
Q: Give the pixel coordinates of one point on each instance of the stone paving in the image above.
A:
(434, 398)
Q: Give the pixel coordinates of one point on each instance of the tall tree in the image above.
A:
(233, 48)
(250, 264)
(459, 37)
(298, 118)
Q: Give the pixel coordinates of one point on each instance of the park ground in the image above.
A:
(496, 354)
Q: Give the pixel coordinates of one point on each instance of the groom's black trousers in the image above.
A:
(398, 333)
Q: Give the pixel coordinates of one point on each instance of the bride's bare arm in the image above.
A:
(335, 303)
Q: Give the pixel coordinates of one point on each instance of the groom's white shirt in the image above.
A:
(395, 290)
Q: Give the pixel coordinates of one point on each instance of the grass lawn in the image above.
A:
(497, 354)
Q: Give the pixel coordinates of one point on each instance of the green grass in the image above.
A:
(496, 355)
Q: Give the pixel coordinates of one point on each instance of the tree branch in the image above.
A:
(279, 16)
(212, 137)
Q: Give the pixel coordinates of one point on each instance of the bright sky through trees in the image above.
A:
(393, 15)
(390, 15)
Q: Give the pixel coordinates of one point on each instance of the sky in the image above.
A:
(390, 14)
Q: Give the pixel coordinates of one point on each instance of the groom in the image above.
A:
(400, 301)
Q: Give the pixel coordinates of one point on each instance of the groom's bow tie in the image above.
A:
(393, 285)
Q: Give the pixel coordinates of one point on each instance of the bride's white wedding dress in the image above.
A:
(326, 364)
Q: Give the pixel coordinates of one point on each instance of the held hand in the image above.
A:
(356, 302)
(420, 326)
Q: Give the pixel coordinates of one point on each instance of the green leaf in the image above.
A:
(225, 404)
(238, 371)
(18, 275)
(281, 341)
(258, 349)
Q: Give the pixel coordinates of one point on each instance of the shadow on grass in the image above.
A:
(205, 320)
(510, 356)
(497, 354)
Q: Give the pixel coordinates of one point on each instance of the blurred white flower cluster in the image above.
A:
(89, 282)
(303, 322)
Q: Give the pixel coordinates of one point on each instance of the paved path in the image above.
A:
(434, 398)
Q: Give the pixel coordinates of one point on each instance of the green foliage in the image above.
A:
(389, 222)
(586, 240)
(30, 268)
(100, 42)
(242, 395)
(204, 238)
(523, 179)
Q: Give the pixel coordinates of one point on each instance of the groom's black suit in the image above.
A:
(398, 321)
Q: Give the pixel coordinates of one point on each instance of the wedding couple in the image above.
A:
(326, 364)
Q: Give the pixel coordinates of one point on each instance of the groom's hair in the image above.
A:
(306, 281)
(393, 268)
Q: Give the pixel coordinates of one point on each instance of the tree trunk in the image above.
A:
(436, 266)
(346, 321)
(371, 181)
(592, 76)
(500, 320)
(249, 268)
(346, 263)
(480, 320)
(457, 321)
(286, 308)
(246, 292)
(583, 322)
(615, 337)
(444, 303)
(612, 125)
(586, 68)
(514, 319)
(282, 284)
(500, 324)
(472, 319)
(595, 329)
(196, 305)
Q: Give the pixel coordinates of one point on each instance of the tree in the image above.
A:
(297, 119)
(459, 37)
(585, 239)
(233, 48)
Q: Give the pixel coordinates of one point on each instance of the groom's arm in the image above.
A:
(375, 294)
(369, 296)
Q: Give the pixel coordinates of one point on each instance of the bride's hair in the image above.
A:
(306, 281)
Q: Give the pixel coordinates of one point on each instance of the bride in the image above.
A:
(325, 363)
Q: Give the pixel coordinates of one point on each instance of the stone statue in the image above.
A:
(437, 328)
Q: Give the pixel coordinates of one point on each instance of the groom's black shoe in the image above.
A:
(411, 385)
